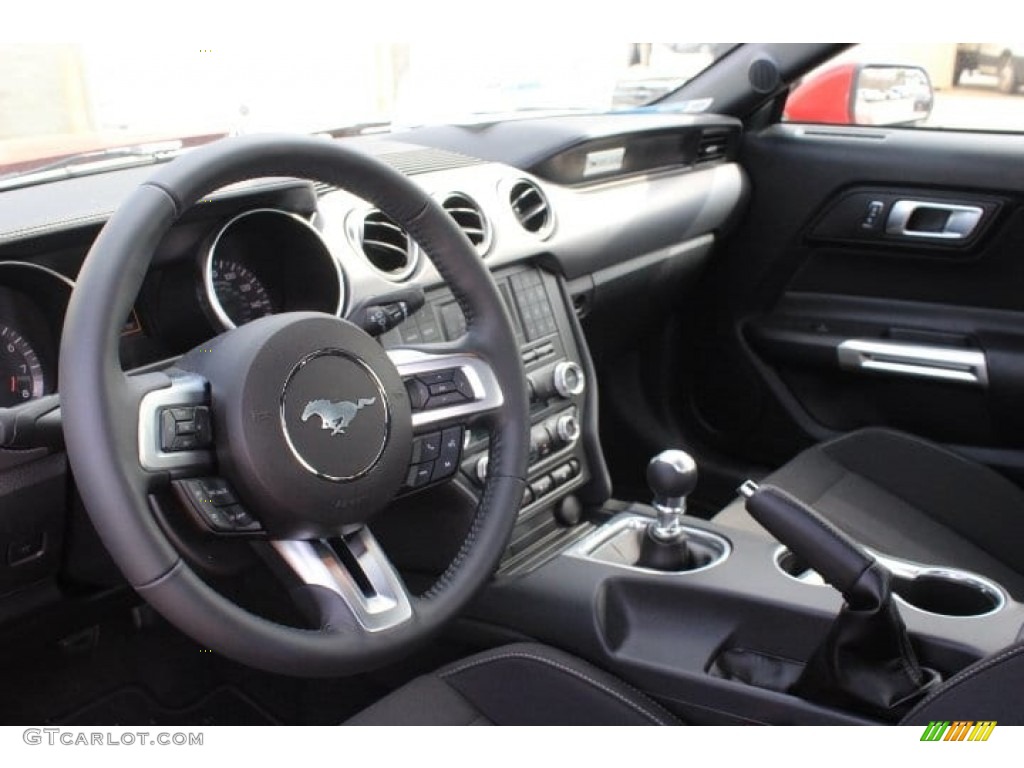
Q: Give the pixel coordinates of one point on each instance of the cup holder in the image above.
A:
(939, 591)
(948, 594)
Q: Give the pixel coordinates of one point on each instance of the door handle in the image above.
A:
(942, 221)
(965, 366)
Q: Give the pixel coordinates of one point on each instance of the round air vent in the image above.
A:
(387, 246)
(471, 220)
(531, 208)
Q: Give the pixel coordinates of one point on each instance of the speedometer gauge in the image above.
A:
(21, 374)
(240, 293)
(266, 261)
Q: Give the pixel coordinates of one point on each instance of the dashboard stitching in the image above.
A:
(56, 226)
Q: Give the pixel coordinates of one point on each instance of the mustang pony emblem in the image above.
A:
(335, 416)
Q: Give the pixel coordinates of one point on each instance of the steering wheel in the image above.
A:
(313, 426)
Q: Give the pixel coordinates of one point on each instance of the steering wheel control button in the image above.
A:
(437, 377)
(451, 447)
(185, 429)
(451, 398)
(418, 393)
(217, 491)
(462, 384)
(435, 457)
(439, 389)
(442, 388)
(335, 415)
(203, 425)
(426, 448)
(420, 474)
(214, 502)
(239, 519)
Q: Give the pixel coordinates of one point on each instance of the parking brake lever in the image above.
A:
(866, 661)
(837, 558)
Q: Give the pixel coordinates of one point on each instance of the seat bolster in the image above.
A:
(427, 700)
(520, 684)
(991, 689)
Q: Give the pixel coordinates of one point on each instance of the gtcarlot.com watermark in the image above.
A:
(67, 737)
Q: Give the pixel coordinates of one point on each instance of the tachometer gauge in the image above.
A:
(240, 293)
(21, 374)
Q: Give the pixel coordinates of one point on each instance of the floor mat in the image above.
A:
(133, 706)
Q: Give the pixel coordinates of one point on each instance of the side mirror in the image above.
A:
(863, 94)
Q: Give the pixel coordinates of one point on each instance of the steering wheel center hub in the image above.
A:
(311, 421)
(335, 415)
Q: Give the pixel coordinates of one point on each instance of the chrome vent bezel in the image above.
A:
(462, 209)
(519, 194)
(399, 243)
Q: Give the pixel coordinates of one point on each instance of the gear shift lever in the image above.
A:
(672, 476)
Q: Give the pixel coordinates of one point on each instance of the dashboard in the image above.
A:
(583, 221)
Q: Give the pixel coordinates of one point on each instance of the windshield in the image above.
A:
(58, 101)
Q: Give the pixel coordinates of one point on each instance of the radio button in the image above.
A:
(542, 486)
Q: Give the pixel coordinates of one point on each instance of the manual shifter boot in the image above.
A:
(665, 554)
(866, 662)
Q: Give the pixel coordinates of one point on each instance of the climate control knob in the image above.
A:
(567, 428)
(568, 379)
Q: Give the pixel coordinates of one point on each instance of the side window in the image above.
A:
(961, 86)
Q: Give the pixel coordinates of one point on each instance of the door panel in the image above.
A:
(877, 279)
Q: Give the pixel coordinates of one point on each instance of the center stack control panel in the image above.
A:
(557, 383)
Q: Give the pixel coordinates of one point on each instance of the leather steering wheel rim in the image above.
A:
(100, 412)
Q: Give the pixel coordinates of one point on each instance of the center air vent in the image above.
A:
(387, 246)
(471, 220)
(531, 208)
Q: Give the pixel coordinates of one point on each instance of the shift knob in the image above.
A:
(672, 476)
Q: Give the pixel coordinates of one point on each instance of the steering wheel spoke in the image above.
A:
(175, 427)
(447, 384)
(350, 581)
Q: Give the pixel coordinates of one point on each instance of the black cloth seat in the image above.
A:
(908, 498)
(531, 684)
(521, 684)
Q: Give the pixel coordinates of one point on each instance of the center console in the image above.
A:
(725, 638)
(566, 469)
